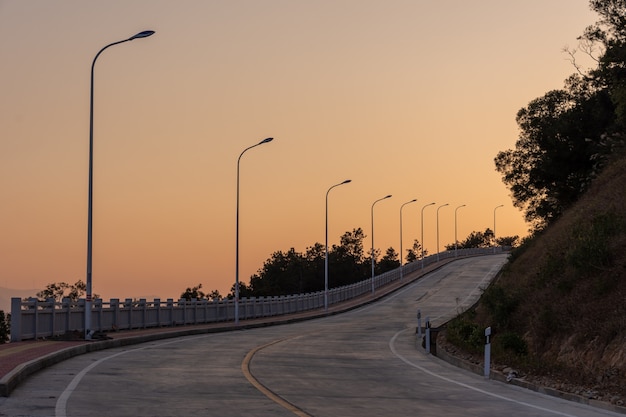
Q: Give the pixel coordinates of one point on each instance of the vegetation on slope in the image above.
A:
(558, 309)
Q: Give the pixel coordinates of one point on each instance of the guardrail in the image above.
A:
(34, 319)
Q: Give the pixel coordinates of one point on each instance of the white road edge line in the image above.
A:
(491, 394)
(61, 405)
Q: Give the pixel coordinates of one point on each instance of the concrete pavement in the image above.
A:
(327, 355)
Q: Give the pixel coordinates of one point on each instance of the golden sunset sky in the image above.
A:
(412, 98)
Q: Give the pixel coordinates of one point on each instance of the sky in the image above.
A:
(412, 98)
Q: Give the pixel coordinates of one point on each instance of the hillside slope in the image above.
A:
(558, 309)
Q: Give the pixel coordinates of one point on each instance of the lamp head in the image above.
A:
(143, 34)
(266, 140)
(388, 196)
(346, 181)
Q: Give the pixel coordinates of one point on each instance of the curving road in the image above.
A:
(363, 363)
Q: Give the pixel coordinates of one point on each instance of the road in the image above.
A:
(366, 362)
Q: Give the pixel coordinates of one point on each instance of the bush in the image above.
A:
(500, 304)
(465, 334)
(512, 342)
(589, 248)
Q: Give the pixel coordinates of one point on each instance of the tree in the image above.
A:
(610, 32)
(413, 254)
(60, 290)
(510, 241)
(552, 162)
(244, 291)
(193, 293)
(349, 264)
(388, 262)
(351, 244)
(567, 135)
(284, 273)
(214, 295)
(475, 240)
(293, 272)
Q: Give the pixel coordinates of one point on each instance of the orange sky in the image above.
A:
(410, 98)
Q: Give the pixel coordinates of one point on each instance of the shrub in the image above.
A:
(465, 334)
(589, 250)
(512, 342)
(500, 304)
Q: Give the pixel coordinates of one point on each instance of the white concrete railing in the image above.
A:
(33, 319)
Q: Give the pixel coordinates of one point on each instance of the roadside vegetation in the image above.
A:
(292, 272)
(558, 309)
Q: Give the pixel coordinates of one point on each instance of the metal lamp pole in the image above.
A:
(237, 231)
(494, 226)
(408, 202)
(443, 205)
(422, 242)
(88, 295)
(456, 241)
(372, 253)
(326, 246)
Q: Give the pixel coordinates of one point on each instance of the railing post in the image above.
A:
(170, 307)
(16, 319)
(157, 307)
(143, 306)
(51, 301)
(129, 304)
(182, 302)
(67, 309)
(98, 305)
(115, 306)
(35, 316)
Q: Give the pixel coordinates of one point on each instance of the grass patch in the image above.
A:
(589, 249)
(465, 334)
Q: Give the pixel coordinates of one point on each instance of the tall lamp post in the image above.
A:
(494, 226)
(266, 140)
(326, 245)
(456, 241)
(372, 253)
(88, 295)
(443, 205)
(408, 202)
(422, 237)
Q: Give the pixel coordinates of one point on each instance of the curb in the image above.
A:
(478, 369)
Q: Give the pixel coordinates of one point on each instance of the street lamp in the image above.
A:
(494, 226)
(88, 295)
(422, 221)
(380, 199)
(443, 205)
(326, 257)
(456, 241)
(408, 202)
(237, 232)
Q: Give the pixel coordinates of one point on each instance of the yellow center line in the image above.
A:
(245, 367)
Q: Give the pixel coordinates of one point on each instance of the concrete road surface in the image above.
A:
(367, 362)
